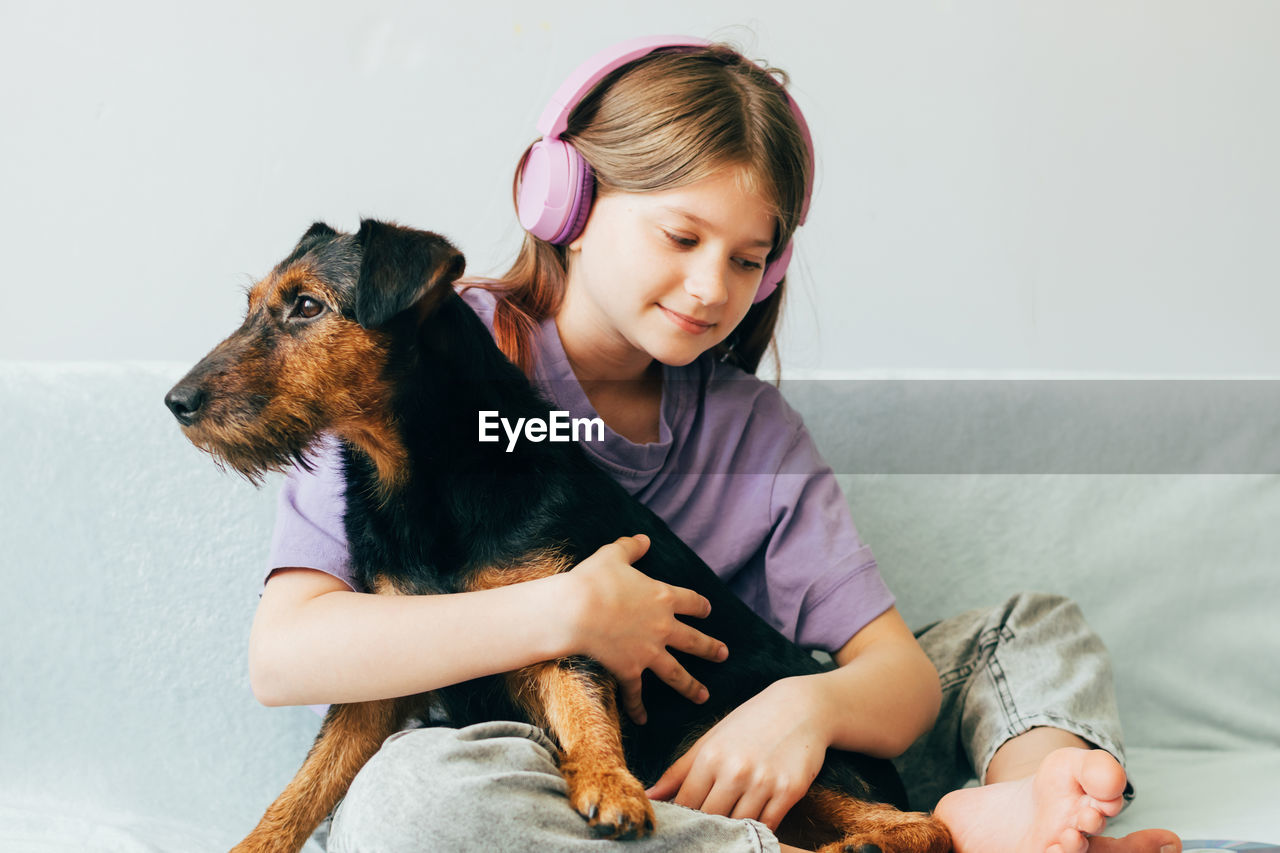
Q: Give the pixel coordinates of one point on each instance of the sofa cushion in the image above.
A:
(132, 568)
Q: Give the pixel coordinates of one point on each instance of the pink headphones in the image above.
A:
(555, 183)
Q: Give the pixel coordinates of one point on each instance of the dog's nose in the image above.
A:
(185, 402)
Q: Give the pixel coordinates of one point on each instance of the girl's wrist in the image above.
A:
(559, 598)
(809, 695)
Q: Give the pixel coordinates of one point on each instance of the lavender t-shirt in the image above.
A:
(734, 473)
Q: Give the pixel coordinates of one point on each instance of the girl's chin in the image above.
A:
(675, 347)
(676, 362)
(676, 356)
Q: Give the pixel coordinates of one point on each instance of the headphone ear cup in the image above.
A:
(774, 272)
(581, 207)
(554, 193)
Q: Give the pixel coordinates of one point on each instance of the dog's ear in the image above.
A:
(316, 234)
(401, 268)
(317, 231)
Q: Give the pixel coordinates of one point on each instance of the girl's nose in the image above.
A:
(707, 283)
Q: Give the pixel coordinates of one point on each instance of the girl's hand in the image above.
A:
(626, 620)
(757, 762)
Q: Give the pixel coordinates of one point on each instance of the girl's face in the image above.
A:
(667, 275)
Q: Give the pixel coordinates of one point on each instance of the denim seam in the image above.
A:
(988, 641)
(956, 676)
(1011, 714)
(758, 840)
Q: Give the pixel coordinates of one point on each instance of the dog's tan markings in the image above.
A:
(276, 389)
(271, 390)
(278, 289)
(542, 563)
(351, 734)
(334, 376)
(258, 293)
(300, 279)
(357, 396)
(384, 585)
(857, 823)
(581, 713)
(379, 439)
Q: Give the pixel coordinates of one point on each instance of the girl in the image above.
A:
(654, 316)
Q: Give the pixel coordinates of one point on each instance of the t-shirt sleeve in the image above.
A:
(821, 581)
(309, 531)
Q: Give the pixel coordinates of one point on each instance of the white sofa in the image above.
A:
(131, 570)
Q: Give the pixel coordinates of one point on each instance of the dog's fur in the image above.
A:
(364, 337)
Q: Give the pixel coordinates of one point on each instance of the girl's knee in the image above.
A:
(1035, 605)
(1044, 614)
(445, 782)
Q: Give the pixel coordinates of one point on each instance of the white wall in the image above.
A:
(1003, 186)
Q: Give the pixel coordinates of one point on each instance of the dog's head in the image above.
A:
(310, 355)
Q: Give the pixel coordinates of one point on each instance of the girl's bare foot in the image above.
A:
(1069, 798)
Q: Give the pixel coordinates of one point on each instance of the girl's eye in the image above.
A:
(306, 308)
(689, 242)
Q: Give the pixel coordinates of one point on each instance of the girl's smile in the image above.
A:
(689, 324)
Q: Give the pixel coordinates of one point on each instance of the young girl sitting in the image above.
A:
(646, 295)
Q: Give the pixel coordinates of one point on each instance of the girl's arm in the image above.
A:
(885, 694)
(315, 641)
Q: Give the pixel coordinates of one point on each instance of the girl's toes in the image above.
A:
(1110, 808)
(1102, 776)
(1072, 841)
(1090, 821)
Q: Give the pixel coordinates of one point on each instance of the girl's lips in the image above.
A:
(687, 323)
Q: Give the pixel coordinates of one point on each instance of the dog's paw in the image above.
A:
(613, 803)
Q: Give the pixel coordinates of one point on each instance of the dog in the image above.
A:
(363, 336)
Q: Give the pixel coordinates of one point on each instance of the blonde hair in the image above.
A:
(669, 119)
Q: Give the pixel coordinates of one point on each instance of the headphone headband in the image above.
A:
(555, 185)
(555, 118)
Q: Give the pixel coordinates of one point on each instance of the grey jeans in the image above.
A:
(1032, 661)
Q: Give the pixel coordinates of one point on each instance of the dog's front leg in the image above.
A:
(349, 737)
(867, 826)
(580, 710)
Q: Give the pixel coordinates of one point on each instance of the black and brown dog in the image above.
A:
(363, 336)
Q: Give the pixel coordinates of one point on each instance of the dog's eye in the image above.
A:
(306, 308)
